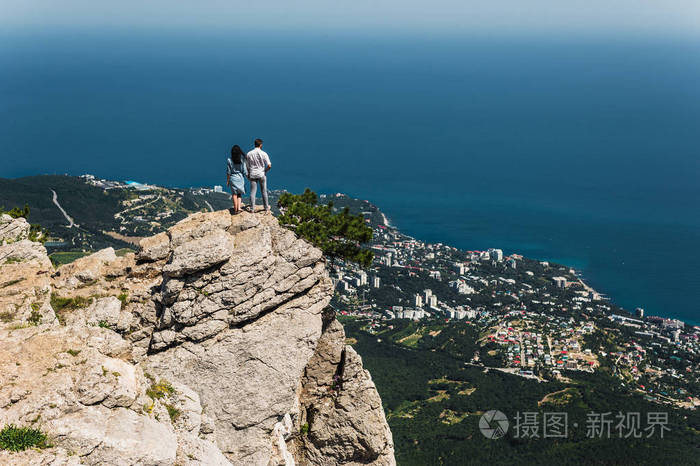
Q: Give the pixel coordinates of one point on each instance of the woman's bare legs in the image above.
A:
(237, 203)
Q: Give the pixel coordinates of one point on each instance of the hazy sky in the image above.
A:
(662, 17)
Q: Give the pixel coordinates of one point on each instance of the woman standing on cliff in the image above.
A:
(235, 178)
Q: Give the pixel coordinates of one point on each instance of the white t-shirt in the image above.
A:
(257, 161)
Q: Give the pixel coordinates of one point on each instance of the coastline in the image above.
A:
(580, 273)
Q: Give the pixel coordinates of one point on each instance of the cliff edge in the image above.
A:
(211, 345)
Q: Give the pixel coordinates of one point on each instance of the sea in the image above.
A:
(581, 150)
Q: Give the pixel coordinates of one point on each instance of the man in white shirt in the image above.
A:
(258, 163)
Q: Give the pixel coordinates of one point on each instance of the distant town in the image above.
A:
(534, 319)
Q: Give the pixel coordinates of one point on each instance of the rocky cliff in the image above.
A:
(212, 345)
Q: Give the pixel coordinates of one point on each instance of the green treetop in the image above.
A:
(16, 212)
(339, 235)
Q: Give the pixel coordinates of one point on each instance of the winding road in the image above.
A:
(71, 223)
(139, 206)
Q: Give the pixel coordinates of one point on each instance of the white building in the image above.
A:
(363, 277)
(560, 282)
(461, 287)
(375, 282)
(435, 274)
(427, 294)
(412, 314)
(433, 301)
(218, 189)
(419, 301)
(456, 314)
(496, 254)
(673, 323)
(460, 268)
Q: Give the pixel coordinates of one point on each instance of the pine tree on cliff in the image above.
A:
(339, 235)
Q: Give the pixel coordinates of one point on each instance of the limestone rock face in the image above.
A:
(13, 229)
(23, 251)
(210, 346)
(342, 408)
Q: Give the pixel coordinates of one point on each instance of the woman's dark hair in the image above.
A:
(236, 154)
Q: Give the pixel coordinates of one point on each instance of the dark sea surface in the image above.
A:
(579, 151)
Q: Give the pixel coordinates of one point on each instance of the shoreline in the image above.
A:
(579, 273)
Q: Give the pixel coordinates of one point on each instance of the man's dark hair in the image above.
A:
(258, 142)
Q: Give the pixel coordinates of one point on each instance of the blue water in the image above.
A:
(582, 151)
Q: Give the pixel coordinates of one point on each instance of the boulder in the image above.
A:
(13, 229)
(86, 270)
(154, 248)
(115, 436)
(23, 251)
(200, 253)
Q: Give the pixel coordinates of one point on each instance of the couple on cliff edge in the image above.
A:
(254, 165)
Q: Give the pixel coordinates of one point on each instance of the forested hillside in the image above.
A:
(434, 402)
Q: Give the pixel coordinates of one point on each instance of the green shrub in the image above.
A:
(38, 234)
(304, 428)
(15, 438)
(16, 212)
(34, 317)
(59, 303)
(124, 298)
(148, 408)
(6, 316)
(160, 389)
(63, 305)
(173, 412)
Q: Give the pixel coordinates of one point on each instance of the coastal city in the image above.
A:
(531, 318)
